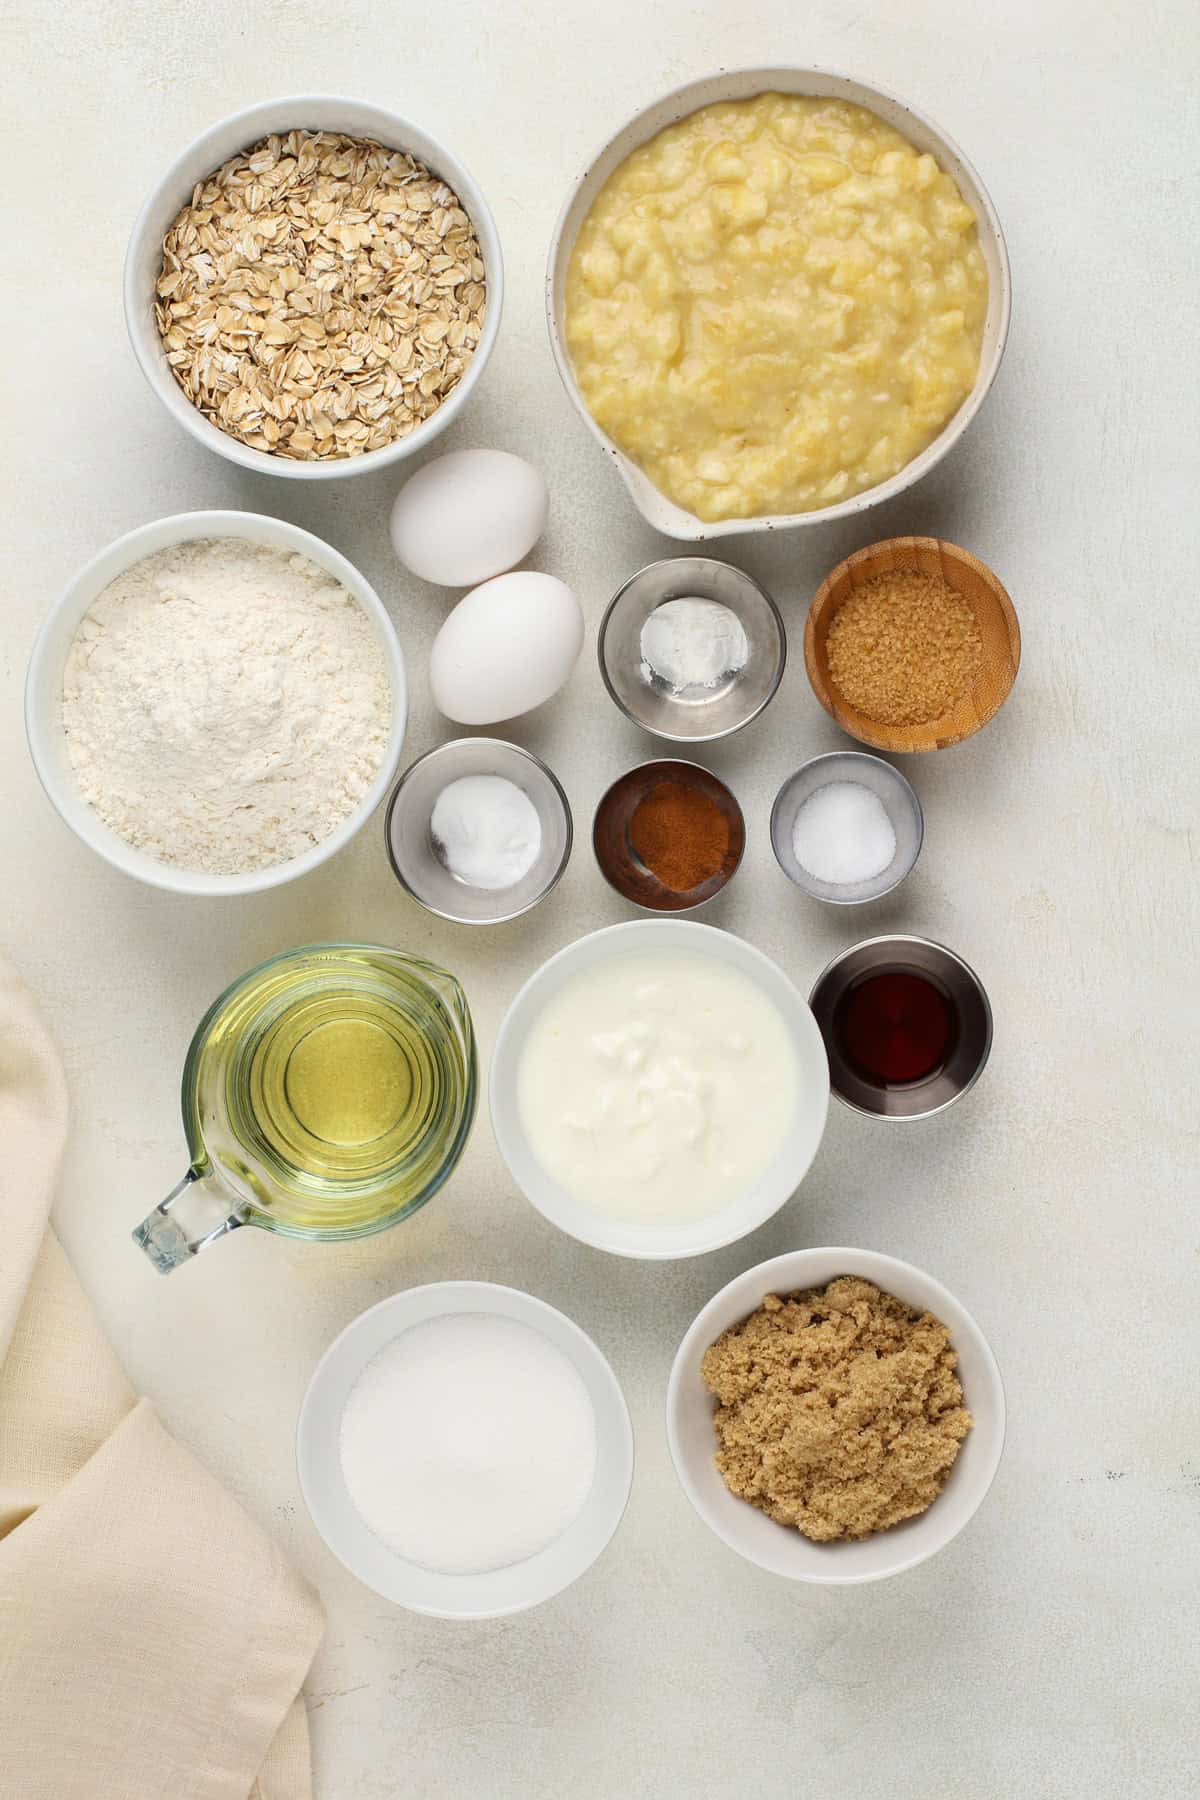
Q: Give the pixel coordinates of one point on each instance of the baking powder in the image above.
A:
(486, 830)
(693, 643)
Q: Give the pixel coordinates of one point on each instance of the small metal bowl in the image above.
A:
(900, 803)
(701, 714)
(410, 846)
(619, 862)
(968, 1055)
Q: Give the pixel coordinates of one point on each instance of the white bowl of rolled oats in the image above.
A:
(314, 287)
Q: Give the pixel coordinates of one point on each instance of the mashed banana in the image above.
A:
(774, 304)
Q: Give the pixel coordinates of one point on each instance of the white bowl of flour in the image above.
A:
(217, 703)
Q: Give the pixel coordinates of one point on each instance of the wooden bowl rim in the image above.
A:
(893, 737)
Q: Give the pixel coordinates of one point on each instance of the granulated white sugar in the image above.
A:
(469, 1443)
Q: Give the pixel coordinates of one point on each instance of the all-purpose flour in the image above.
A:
(226, 705)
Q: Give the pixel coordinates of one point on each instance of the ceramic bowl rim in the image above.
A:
(674, 520)
(785, 1272)
(583, 1350)
(718, 1236)
(81, 592)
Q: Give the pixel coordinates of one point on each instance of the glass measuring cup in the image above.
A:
(326, 1094)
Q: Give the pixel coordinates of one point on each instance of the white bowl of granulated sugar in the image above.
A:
(217, 703)
(465, 1450)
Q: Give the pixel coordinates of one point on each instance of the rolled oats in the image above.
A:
(320, 295)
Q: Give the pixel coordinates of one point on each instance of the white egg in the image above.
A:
(469, 515)
(505, 648)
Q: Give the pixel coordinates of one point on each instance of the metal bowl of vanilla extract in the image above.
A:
(907, 1026)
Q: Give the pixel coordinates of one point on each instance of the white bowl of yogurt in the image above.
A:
(659, 1089)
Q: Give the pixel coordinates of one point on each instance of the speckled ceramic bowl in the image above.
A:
(743, 84)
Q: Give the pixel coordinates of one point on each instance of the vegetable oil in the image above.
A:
(333, 1088)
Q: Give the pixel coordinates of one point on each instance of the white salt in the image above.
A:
(843, 835)
(693, 643)
(469, 1443)
(486, 830)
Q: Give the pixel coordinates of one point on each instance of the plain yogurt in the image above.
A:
(658, 1087)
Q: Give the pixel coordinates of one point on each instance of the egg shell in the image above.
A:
(505, 648)
(469, 515)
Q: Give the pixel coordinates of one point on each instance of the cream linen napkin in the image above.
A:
(152, 1641)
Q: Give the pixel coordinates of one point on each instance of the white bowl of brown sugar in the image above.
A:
(835, 1416)
(314, 287)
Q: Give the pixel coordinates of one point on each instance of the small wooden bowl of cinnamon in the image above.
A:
(912, 644)
(668, 835)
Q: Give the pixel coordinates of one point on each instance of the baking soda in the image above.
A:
(486, 831)
(468, 1444)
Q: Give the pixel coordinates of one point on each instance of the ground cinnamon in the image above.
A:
(680, 834)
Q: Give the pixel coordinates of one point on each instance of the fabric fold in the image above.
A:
(153, 1641)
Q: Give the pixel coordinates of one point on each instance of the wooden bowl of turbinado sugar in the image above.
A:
(912, 644)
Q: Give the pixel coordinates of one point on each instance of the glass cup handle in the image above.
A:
(193, 1216)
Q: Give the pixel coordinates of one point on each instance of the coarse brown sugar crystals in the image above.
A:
(904, 647)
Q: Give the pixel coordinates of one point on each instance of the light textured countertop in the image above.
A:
(1052, 1649)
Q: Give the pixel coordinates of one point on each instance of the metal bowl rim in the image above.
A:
(500, 918)
(911, 937)
(711, 737)
(849, 899)
(675, 762)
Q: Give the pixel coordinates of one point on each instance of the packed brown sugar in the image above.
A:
(904, 647)
(839, 1412)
